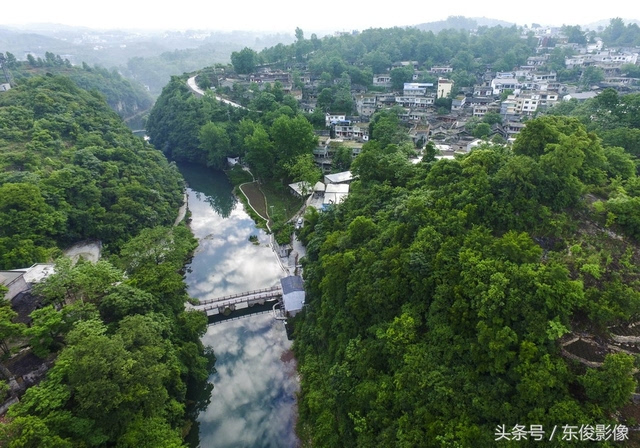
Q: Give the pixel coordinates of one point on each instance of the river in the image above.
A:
(253, 400)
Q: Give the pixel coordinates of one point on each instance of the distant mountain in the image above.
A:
(460, 22)
(602, 24)
(149, 57)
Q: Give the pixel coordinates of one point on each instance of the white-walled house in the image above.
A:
(330, 119)
(19, 280)
(444, 87)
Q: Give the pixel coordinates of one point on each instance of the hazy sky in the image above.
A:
(286, 15)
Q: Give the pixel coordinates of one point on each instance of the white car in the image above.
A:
(299, 223)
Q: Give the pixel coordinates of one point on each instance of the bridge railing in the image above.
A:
(240, 294)
(247, 298)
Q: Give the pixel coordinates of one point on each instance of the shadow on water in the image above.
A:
(210, 186)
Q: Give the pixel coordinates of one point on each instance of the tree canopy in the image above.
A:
(438, 294)
(70, 170)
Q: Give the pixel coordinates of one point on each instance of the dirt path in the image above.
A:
(182, 212)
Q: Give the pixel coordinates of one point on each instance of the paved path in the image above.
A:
(191, 82)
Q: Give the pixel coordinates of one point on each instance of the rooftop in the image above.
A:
(291, 284)
(337, 178)
(8, 277)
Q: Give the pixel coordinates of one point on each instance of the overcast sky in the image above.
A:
(286, 15)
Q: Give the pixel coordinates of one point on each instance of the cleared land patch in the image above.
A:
(256, 198)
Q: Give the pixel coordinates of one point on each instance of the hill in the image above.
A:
(149, 57)
(127, 97)
(452, 298)
(71, 170)
(461, 23)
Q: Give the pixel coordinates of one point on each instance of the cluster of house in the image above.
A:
(522, 92)
(333, 189)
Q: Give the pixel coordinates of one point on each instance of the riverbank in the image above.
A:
(271, 205)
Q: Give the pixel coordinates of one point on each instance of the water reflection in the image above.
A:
(209, 186)
(226, 262)
(253, 403)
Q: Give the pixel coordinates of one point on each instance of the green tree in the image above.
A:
(591, 75)
(611, 385)
(342, 158)
(304, 169)
(399, 76)
(574, 34)
(244, 61)
(47, 326)
(215, 142)
(292, 137)
(260, 153)
(482, 130)
(492, 118)
(9, 330)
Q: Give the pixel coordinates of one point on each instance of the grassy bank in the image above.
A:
(270, 199)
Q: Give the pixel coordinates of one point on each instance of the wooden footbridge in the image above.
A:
(228, 304)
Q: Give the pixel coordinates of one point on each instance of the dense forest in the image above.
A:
(71, 170)
(129, 369)
(438, 293)
(272, 135)
(126, 97)
(614, 117)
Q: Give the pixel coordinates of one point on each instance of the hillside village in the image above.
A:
(434, 109)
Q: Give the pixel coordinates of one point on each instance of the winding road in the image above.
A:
(191, 82)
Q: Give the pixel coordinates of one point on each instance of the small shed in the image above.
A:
(338, 178)
(293, 294)
(14, 281)
(301, 189)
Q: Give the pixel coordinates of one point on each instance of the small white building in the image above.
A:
(444, 87)
(301, 189)
(416, 88)
(334, 194)
(474, 144)
(338, 178)
(4, 86)
(383, 80)
(19, 280)
(293, 294)
(330, 119)
(14, 281)
(499, 85)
